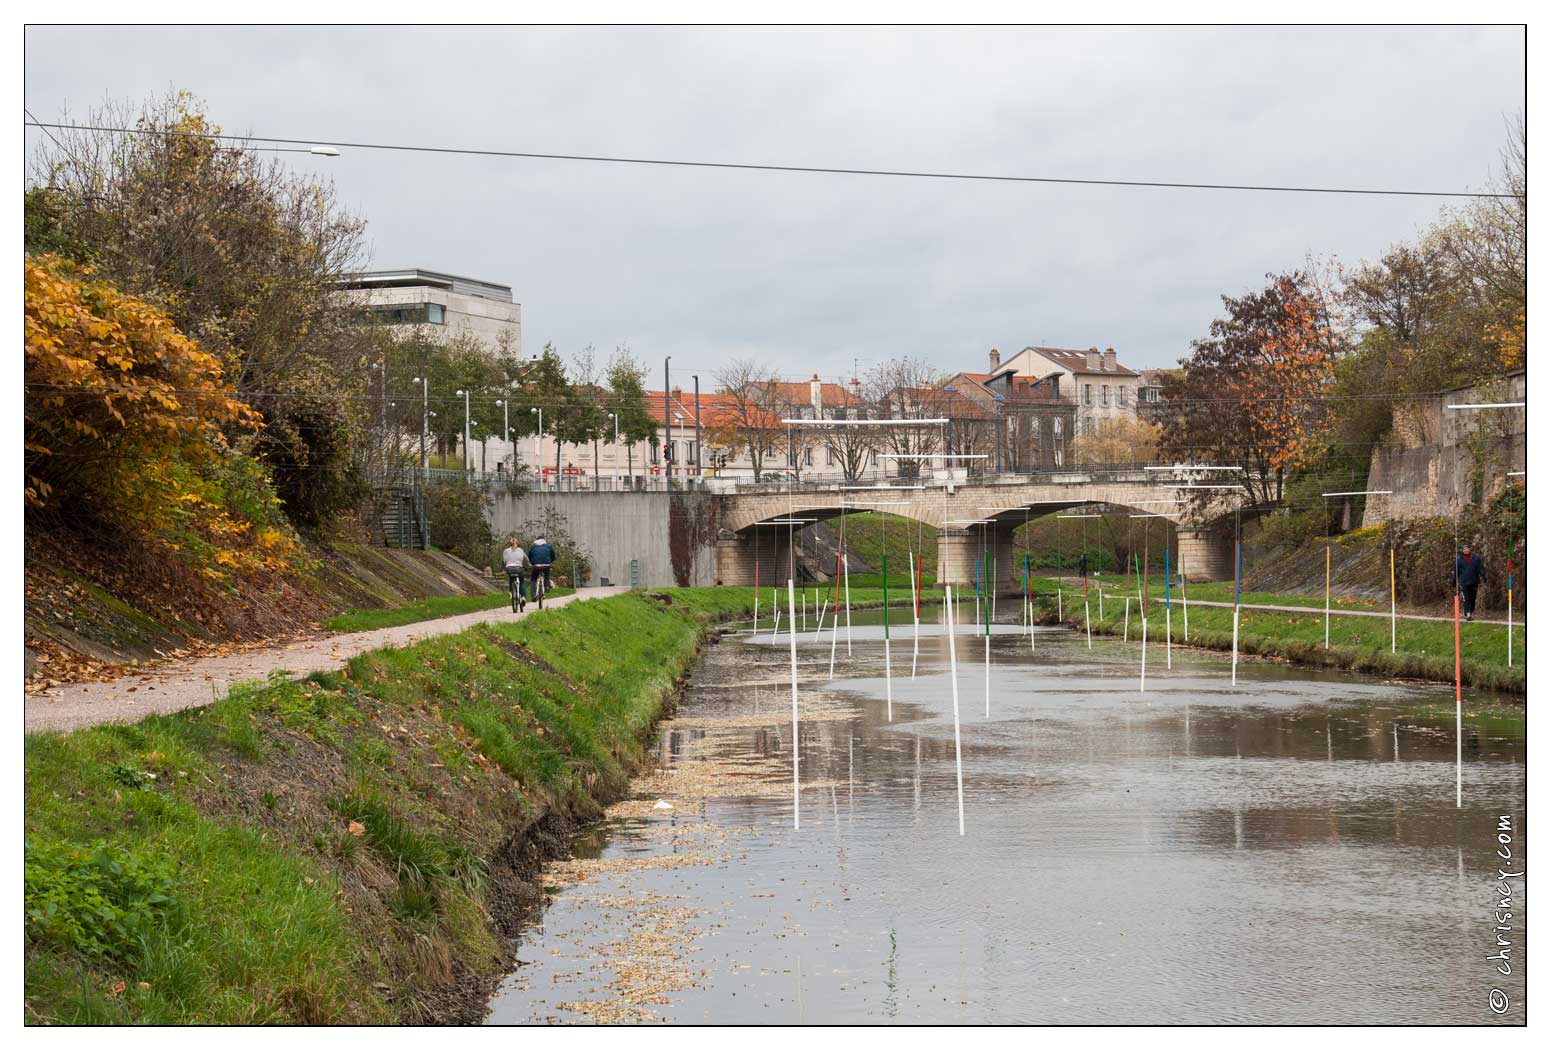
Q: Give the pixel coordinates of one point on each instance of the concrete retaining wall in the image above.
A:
(671, 536)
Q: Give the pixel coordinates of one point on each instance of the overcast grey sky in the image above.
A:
(812, 271)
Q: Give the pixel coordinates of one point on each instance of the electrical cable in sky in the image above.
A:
(897, 173)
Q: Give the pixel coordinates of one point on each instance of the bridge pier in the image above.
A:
(959, 552)
(1205, 554)
(736, 554)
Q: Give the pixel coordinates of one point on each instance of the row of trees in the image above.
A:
(1298, 381)
(506, 395)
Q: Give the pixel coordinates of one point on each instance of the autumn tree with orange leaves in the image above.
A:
(1254, 393)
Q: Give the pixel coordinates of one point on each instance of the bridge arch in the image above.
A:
(967, 519)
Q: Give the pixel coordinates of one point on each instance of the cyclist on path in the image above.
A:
(542, 557)
(515, 560)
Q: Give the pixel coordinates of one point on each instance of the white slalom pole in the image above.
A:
(1087, 626)
(804, 611)
(915, 612)
(1184, 595)
(1510, 631)
(819, 630)
(775, 625)
(1168, 636)
(1144, 651)
(1101, 603)
(1127, 637)
(846, 566)
(791, 600)
(1235, 645)
(953, 677)
(988, 673)
(1060, 613)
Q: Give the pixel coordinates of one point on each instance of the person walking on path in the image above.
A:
(1467, 577)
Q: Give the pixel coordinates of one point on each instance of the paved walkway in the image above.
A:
(1343, 612)
(175, 685)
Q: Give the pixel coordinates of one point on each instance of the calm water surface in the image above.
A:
(1285, 850)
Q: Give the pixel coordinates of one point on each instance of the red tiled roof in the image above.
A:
(831, 395)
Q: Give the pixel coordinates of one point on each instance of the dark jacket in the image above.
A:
(541, 555)
(1468, 569)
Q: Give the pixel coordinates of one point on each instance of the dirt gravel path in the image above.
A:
(175, 685)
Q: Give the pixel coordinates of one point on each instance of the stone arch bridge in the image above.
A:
(971, 517)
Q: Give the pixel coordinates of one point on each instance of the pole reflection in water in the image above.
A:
(1125, 847)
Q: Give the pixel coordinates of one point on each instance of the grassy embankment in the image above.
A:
(352, 847)
(424, 609)
(1424, 649)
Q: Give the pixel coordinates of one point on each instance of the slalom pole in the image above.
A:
(1392, 607)
(1086, 624)
(1127, 637)
(1510, 604)
(792, 602)
(1168, 610)
(888, 667)
(1238, 565)
(1060, 615)
(775, 625)
(834, 620)
(983, 559)
(846, 566)
(915, 596)
(818, 631)
(992, 585)
(1459, 715)
(805, 611)
(953, 677)
(756, 594)
(1144, 654)
(1184, 592)
(1143, 608)
(1327, 595)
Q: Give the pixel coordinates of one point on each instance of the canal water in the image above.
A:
(1286, 850)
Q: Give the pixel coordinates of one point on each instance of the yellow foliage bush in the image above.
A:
(126, 423)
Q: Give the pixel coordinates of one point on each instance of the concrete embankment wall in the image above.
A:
(670, 536)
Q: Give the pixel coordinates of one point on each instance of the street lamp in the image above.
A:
(506, 429)
(680, 417)
(615, 417)
(538, 448)
(466, 428)
(425, 422)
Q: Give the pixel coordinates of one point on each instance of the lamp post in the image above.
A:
(679, 416)
(538, 449)
(506, 428)
(465, 395)
(697, 426)
(667, 425)
(472, 424)
(425, 422)
(615, 417)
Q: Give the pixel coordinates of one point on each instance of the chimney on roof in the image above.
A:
(816, 396)
(1093, 359)
(676, 391)
(1110, 365)
(855, 387)
(996, 359)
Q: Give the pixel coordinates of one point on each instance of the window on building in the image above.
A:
(689, 451)
(807, 457)
(656, 453)
(829, 457)
(435, 313)
(1120, 396)
(1087, 394)
(1104, 399)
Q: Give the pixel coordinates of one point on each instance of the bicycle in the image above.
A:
(514, 586)
(540, 584)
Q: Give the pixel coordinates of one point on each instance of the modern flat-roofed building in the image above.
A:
(425, 297)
